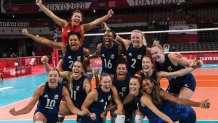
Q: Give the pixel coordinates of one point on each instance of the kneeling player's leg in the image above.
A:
(64, 110)
(39, 118)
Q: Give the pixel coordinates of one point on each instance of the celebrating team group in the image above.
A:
(128, 86)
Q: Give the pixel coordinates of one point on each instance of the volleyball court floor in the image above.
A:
(16, 93)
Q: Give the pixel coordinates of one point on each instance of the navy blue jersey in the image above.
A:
(123, 90)
(136, 101)
(175, 111)
(134, 58)
(99, 106)
(121, 86)
(49, 101)
(169, 67)
(72, 56)
(153, 76)
(109, 58)
(78, 93)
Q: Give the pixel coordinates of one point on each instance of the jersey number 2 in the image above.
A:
(133, 63)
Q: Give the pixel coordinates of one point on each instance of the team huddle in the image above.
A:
(129, 84)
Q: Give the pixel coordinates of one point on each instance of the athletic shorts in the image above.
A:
(175, 88)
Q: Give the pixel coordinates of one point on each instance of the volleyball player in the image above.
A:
(97, 100)
(75, 23)
(71, 52)
(149, 70)
(121, 83)
(161, 107)
(183, 86)
(110, 52)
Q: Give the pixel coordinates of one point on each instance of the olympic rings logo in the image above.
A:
(98, 61)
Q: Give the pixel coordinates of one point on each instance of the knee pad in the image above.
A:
(61, 118)
(38, 122)
(61, 115)
(120, 119)
(138, 119)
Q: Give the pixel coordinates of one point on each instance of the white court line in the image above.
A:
(5, 88)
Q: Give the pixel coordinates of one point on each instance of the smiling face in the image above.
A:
(147, 86)
(76, 18)
(134, 86)
(121, 70)
(136, 39)
(106, 83)
(77, 69)
(53, 78)
(157, 54)
(73, 42)
(147, 65)
(108, 38)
